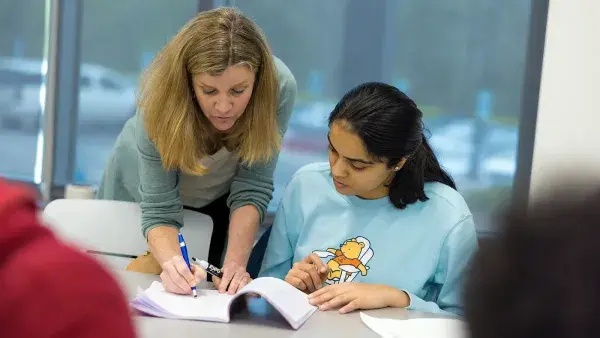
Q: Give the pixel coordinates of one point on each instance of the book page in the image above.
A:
(290, 302)
(210, 304)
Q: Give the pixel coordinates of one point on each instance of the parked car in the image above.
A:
(105, 96)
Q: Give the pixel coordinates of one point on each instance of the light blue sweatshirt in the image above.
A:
(423, 250)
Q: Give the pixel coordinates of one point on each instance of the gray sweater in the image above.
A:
(135, 173)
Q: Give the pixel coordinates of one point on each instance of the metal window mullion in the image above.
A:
(49, 111)
(61, 108)
(529, 101)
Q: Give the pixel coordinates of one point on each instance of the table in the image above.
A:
(258, 320)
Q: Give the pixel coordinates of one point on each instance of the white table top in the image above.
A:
(258, 320)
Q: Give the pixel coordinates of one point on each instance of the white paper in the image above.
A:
(416, 328)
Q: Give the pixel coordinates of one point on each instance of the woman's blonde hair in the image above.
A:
(209, 43)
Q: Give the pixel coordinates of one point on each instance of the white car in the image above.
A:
(105, 96)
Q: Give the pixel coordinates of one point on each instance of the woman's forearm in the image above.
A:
(242, 233)
(243, 226)
(164, 243)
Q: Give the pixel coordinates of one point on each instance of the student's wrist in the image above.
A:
(398, 298)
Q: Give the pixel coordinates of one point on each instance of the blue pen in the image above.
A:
(184, 253)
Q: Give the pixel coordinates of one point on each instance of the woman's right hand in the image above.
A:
(176, 277)
(309, 274)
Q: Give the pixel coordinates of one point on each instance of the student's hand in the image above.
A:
(234, 278)
(176, 277)
(353, 296)
(309, 274)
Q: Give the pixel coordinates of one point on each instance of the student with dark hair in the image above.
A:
(540, 275)
(382, 214)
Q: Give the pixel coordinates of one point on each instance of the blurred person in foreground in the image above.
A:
(540, 276)
(48, 289)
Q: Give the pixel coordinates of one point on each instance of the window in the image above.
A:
(85, 82)
(114, 50)
(21, 83)
(109, 84)
(461, 61)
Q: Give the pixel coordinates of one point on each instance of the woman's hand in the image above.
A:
(353, 296)
(176, 277)
(309, 274)
(234, 278)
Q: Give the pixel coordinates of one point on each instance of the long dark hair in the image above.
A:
(391, 127)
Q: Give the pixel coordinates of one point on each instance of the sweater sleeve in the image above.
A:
(457, 250)
(160, 203)
(280, 251)
(254, 185)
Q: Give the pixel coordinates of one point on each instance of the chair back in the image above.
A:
(113, 227)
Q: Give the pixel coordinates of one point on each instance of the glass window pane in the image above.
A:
(115, 47)
(21, 85)
(461, 61)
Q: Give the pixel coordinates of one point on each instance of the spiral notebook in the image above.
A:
(210, 305)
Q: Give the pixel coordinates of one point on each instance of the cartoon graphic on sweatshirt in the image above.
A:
(348, 260)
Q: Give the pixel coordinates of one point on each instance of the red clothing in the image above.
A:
(48, 289)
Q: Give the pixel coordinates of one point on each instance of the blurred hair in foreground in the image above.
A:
(540, 276)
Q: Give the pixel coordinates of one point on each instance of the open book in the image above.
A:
(212, 306)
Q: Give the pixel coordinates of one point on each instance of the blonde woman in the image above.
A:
(213, 108)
